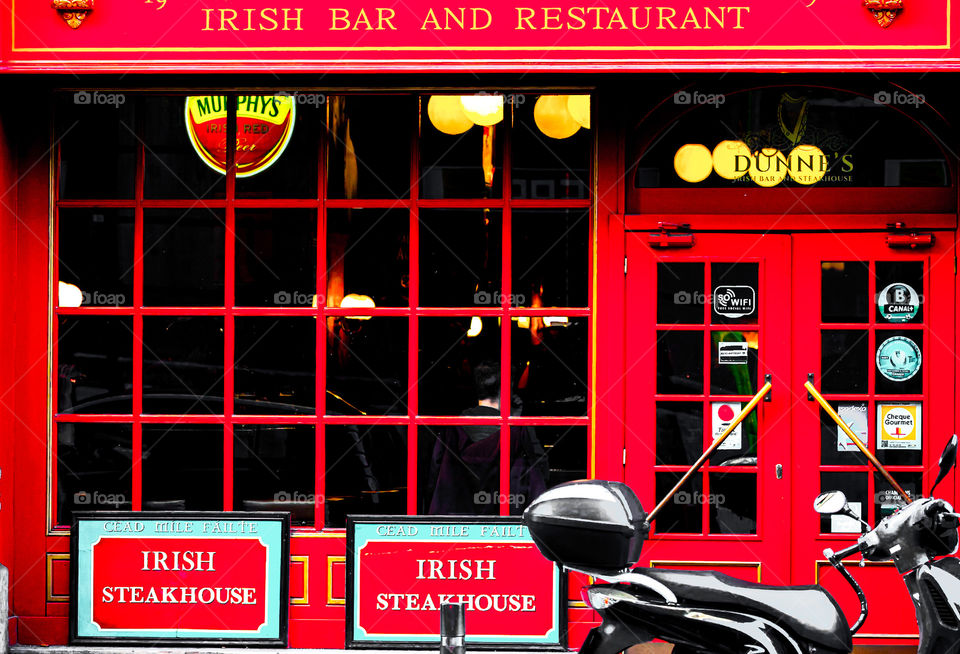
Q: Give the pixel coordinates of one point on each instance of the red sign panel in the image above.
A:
(499, 35)
(400, 572)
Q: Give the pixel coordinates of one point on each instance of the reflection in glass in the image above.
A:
(733, 369)
(97, 146)
(273, 470)
(466, 165)
(95, 364)
(172, 168)
(183, 257)
(276, 257)
(550, 366)
(95, 252)
(886, 500)
(683, 514)
(544, 167)
(183, 364)
(844, 291)
(854, 486)
(843, 361)
(550, 249)
(448, 358)
(94, 466)
(368, 253)
(680, 362)
(567, 450)
(366, 366)
(460, 258)
(733, 503)
(275, 365)
(680, 294)
(679, 432)
(175, 482)
(363, 475)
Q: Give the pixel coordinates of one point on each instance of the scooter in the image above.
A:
(598, 528)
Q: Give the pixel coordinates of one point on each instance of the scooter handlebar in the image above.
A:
(836, 560)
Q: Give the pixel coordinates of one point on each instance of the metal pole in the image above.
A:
(856, 441)
(710, 450)
(452, 628)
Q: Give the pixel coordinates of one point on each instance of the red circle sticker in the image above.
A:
(725, 412)
(264, 128)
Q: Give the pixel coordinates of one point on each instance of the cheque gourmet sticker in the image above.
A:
(898, 358)
(899, 426)
(898, 302)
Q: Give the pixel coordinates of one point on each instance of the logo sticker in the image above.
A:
(898, 303)
(723, 415)
(898, 426)
(732, 354)
(734, 301)
(898, 358)
(855, 415)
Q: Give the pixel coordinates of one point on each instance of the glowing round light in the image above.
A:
(731, 159)
(69, 295)
(768, 167)
(693, 162)
(579, 108)
(553, 118)
(446, 114)
(808, 164)
(356, 301)
(476, 326)
(484, 109)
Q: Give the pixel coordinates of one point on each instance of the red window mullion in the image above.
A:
(413, 325)
(228, 302)
(138, 228)
(506, 268)
(320, 387)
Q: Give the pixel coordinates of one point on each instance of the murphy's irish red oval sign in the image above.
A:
(264, 128)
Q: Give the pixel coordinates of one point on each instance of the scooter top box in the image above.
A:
(593, 526)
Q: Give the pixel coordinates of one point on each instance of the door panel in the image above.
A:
(875, 327)
(704, 325)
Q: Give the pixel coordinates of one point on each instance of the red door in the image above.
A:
(705, 325)
(874, 325)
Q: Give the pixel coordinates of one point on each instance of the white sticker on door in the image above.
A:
(723, 415)
(842, 524)
(734, 301)
(855, 415)
(732, 354)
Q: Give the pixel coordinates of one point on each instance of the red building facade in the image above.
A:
(621, 219)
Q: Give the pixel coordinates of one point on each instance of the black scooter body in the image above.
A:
(930, 585)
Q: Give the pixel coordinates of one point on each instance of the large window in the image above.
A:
(372, 304)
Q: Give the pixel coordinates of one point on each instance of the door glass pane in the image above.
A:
(274, 470)
(680, 362)
(95, 253)
(172, 166)
(183, 364)
(275, 365)
(684, 512)
(854, 486)
(836, 448)
(900, 296)
(550, 254)
(362, 474)
(368, 254)
(900, 433)
(173, 481)
(736, 293)
(97, 136)
(680, 295)
(550, 366)
(183, 257)
(366, 365)
(844, 291)
(733, 363)
(887, 500)
(94, 468)
(733, 503)
(843, 361)
(554, 166)
(740, 447)
(460, 258)
(899, 361)
(95, 364)
(459, 470)
(679, 432)
(566, 449)
(276, 257)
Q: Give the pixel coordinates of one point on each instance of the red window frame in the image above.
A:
(413, 312)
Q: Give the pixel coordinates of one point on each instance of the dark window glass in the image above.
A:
(94, 465)
(172, 167)
(96, 133)
(680, 362)
(95, 253)
(366, 366)
(736, 293)
(274, 469)
(854, 486)
(182, 467)
(679, 432)
(368, 254)
(363, 475)
(95, 364)
(683, 513)
(293, 173)
(449, 358)
(275, 365)
(460, 257)
(465, 165)
(887, 501)
(733, 503)
(276, 257)
(733, 369)
(737, 450)
(369, 146)
(183, 364)
(550, 365)
(459, 471)
(680, 294)
(567, 450)
(843, 361)
(844, 294)
(891, 452)
(550, 252)
(836, 448)
(900, 296)
(183, 257)
(548, 166)
(899, 361)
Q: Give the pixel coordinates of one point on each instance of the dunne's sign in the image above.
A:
(271, 35)
(179, 577)
(400, 570)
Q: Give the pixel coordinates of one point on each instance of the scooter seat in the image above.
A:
(809, 612)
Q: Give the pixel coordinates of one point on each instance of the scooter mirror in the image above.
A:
(830, 502)
(948, 459)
